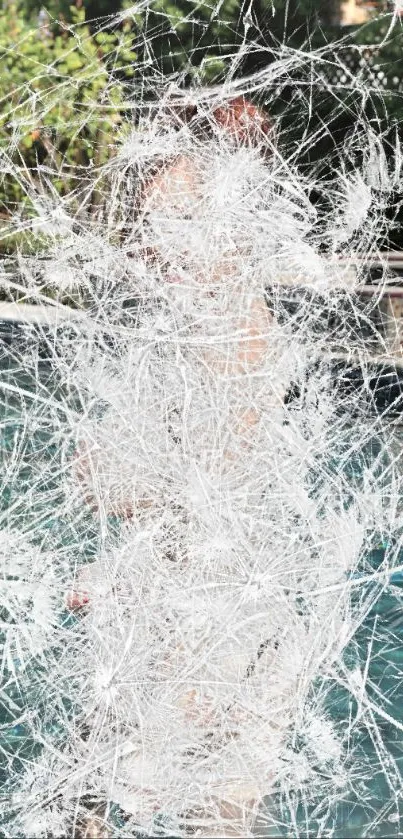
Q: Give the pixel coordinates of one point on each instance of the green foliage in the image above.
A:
(200, 39)
(62, 8)
(59, 105)
(63, 93)
(381, 46)
(56, 8)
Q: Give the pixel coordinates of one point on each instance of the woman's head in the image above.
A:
(192, 204)
(245, 123)
(238, 119)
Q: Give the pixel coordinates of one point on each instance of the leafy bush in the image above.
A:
(59, 105)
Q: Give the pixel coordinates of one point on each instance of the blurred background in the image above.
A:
(60, 62)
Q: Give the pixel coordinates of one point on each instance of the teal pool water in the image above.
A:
(31, 461)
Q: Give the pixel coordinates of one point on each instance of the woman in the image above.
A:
(226, 347)
(172, 201)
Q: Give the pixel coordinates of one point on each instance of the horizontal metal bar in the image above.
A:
(380, 290)
(360, 358)
(38, 314)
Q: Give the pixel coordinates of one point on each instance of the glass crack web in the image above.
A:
(201, 555)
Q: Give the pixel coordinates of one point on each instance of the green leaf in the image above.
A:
(73, 61)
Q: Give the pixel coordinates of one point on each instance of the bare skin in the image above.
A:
(177, 189)
(92, 827)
